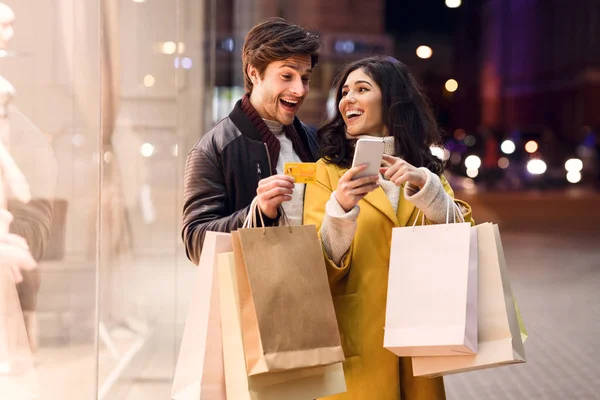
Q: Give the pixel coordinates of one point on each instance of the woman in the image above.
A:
(376, 97)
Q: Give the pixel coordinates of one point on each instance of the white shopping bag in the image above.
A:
(199, 374)
(501, 335)
(432, 290)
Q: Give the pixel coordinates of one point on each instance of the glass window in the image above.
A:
(99, 103)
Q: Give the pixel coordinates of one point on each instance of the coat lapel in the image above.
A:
(378, 199)
(405, 209)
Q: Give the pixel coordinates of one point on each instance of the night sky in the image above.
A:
(406, 16)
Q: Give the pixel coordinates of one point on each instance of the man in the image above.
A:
(242, 156)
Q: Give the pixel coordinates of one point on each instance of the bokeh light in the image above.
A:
(536, 167)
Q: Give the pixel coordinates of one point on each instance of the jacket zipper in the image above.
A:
(258, 171)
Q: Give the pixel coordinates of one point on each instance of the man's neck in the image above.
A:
(257, 104)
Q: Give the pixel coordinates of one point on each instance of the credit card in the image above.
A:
(302, 172)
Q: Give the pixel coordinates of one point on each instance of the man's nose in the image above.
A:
(299, 88)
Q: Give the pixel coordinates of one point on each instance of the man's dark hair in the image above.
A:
(274, 40)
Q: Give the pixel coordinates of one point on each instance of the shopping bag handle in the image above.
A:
(456, 210)
(251, 222)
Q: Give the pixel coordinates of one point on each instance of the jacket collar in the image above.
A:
(247, 128)
(243, 123)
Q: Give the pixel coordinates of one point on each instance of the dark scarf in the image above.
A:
(271, 140)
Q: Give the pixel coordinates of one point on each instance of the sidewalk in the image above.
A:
(555, 279)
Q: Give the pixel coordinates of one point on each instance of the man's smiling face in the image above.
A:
(283, 86)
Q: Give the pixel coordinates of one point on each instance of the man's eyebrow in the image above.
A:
(296, 67)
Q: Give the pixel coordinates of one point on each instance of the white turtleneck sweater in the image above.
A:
(339, 226)
(295, 207)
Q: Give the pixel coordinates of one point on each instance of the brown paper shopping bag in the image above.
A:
(299, 384)
(287, 315)
(432, 290)
(18, 378)
(200, 373)
(500, 334)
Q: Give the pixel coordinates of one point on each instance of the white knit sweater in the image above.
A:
(295, 207)
(339, 227)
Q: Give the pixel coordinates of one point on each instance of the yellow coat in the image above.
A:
(359, 288)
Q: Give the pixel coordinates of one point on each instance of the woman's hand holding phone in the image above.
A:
(350, 190)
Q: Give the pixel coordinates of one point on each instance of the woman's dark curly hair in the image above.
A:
(406, 112)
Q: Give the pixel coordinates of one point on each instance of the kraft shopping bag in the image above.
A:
(299, 384)
(287, 314)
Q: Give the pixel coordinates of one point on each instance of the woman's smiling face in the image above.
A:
(361, 105)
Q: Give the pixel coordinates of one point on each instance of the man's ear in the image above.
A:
(253, 74)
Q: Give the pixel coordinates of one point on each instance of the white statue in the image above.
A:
(11, 178)
(15, 353)
(7, 19)
(7, 91)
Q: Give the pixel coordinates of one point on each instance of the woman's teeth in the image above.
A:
(353, 113)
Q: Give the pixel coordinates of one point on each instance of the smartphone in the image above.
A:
(370, 152)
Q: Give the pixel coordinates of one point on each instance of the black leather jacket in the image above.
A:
(221, 176)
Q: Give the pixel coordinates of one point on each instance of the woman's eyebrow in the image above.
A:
(357, 82)
(368, 83)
